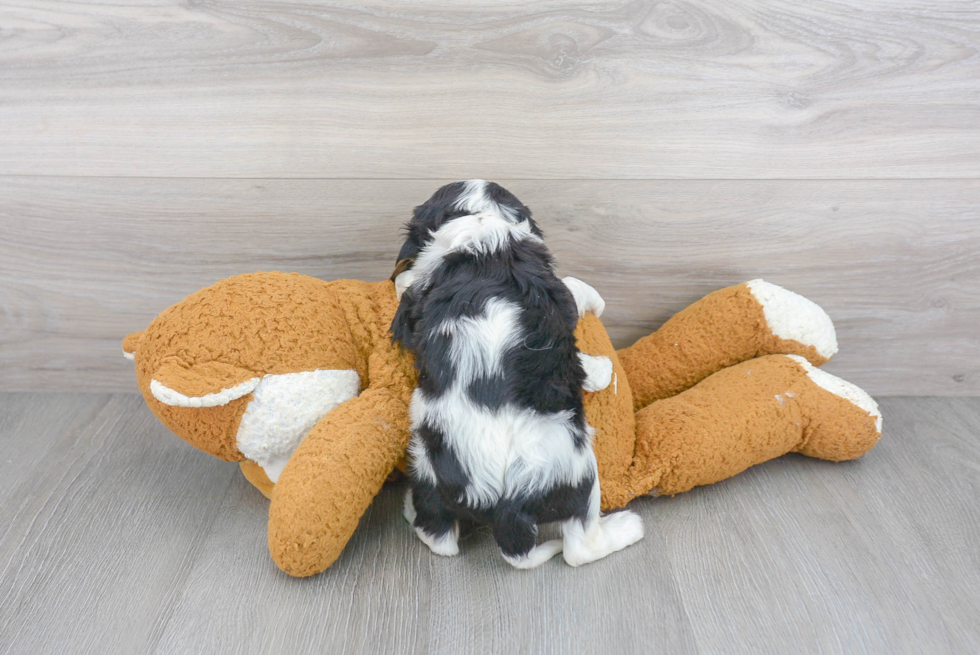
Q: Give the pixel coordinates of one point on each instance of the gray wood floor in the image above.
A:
(117, 537)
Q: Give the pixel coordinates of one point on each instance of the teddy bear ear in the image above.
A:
(130, 344)
(208, 384)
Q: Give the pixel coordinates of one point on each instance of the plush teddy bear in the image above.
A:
(297, 379)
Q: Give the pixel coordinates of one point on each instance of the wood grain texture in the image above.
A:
(825, 556)
(607, 89)
(102, 528)
(117, 537)
(84, 261)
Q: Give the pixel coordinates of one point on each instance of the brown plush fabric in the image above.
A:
(338, 469)
(131, 342)
(242, 327)
(211, 429)
(272, 323)
(200, 379)
(610, 412)
(256, 475)
(332, 478)
(723, 328)
(741, 416)
(261, 323)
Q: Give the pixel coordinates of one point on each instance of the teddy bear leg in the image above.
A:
(722, 329)
(747, 414)
(845, 420)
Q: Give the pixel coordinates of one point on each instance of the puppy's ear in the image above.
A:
(402, 266)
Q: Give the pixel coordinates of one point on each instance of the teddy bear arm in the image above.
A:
(332, 478)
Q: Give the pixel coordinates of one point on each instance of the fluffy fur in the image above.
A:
(499, 434)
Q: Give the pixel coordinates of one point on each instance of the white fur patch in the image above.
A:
(598, 536)
(475, 199)
(842, 388)
(283, 410)
(793, 317)
(168, 396)
(485, 232)
(584, 544)
(403, 281)
(504, 452)
(587, 299)
(487, 229)
(479, 342)
(418, 459)
(537, 555)
(598, 371)
(447, 545)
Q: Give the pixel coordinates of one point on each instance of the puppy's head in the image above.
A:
(453, 201)
(475, 215)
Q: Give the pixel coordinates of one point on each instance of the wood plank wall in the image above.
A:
(667, 149)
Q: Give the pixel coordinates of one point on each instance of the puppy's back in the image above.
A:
(492, 328)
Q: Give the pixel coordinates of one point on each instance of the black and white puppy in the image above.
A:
(499, 435)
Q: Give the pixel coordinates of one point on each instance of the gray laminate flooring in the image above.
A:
(116, 537)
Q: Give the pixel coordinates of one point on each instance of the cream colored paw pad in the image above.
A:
(842, 388)
(792, 317)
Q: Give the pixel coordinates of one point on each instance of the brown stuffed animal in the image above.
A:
(297, 379)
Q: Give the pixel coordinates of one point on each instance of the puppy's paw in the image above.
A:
(536, 556)
(587, 299)
(598, 371)
(403, 281)
(446, 544)
(622, 529)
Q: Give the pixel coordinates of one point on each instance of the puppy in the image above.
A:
(499, 435)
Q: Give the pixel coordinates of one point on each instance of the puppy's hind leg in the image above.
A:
(593, 537)
(433, 523)
(515, 532)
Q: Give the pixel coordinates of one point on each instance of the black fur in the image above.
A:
(542, 372)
